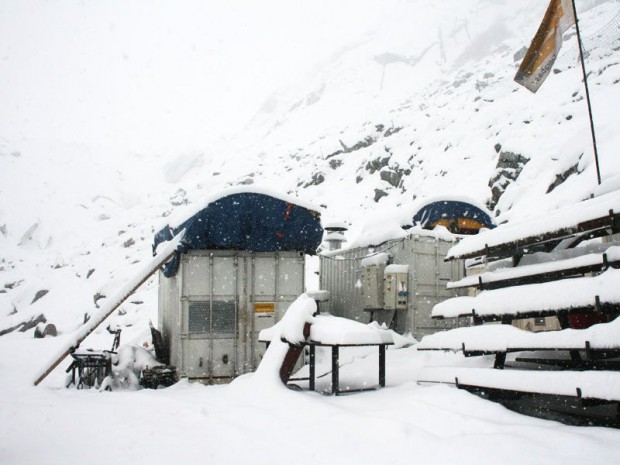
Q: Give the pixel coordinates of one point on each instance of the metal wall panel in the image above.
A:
(223, 276)
(264, 276)
(196, 280)
(291, 276)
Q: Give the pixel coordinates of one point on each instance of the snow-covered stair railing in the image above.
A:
(557, 275)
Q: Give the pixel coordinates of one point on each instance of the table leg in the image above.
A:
(382, 365)
(312, 368)
(335, 373)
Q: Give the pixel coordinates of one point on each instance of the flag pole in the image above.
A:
(585, 82)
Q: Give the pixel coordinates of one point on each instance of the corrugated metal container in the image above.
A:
(211, 311)
(341, 273)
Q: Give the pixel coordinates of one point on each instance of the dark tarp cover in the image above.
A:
(246, 221)
(429, 214)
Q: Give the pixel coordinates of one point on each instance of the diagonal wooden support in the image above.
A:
(114, 302)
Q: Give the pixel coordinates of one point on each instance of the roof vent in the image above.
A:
(334, 234)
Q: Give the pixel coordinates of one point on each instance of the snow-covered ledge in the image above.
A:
(551, 296)
(500, 338)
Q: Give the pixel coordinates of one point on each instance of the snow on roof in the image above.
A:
(379, 228)
(335, 224)
(393, 223)
(593, 384)
(395, 268)
(562, 218)
(429, 210)
(376, 259)
(184, 214)
(502, 337)
(550, 296)
(554, 263)
(380, 234)
(420, 203)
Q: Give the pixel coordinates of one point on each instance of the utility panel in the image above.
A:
(372, 277)
(373, 285)
(395, 288)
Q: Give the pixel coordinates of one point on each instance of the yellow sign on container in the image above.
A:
(264, 307)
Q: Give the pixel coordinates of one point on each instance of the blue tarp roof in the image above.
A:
(248, 221)
(451, 209)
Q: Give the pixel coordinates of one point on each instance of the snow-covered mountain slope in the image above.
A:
(418, 120)
(419, 102)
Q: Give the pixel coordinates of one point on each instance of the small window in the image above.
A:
(539, 321)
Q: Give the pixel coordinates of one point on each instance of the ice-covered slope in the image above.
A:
(432, 108)
(419, 102)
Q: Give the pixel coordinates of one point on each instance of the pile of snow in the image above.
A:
(291, 328)
(325, 329)
(127, 364)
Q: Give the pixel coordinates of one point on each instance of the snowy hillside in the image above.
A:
(435, 111)
(419, 102)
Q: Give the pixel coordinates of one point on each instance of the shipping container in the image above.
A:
(211, 311)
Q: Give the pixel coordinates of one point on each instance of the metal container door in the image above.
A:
(211, 319)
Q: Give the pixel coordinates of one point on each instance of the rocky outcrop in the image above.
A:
(24, 325)
(560, 178)
(508, 169)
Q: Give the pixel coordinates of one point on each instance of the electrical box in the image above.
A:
(372, 277)
(373, 267)
(395, 289)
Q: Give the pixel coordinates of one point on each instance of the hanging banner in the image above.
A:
(546, 44)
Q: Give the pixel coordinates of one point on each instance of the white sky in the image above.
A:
(144, 74)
